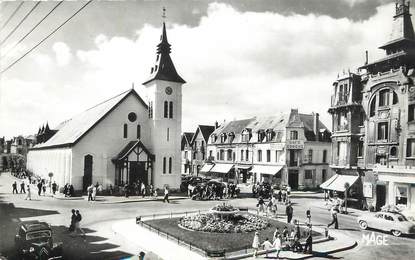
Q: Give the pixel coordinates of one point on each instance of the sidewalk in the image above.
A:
(351, 211)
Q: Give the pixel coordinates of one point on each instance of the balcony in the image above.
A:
(344, 127)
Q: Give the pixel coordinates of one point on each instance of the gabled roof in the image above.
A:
(188, 136)
(72, 130)
(129, 147)
(205, 130)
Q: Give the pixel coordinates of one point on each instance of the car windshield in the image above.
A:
(38, 234)
(401, 218)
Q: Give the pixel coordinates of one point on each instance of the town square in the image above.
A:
(207, 129)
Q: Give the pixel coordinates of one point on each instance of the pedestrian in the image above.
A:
(288, 190)
(89, 192)
(334, 221)
(29, 194)
(289, 211)
(274, 205)
(111, 189)
(284, 236)
(267, 246)
(166, 195)
(276, 233)
(77, 225)
(278, 245)
(71, 191)
(255, 244)
(308, 247)
(126, 189)
(14, 186)
(260, 204)
(254, 190)
(270, 207)
(308, 215)
(143, 189)
(279, 195)
(94, 192)
(44, 188)
(30, 179)
(54, 187)
(22, 185)
(284, 196)
(73, 220)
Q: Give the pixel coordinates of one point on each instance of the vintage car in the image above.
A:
(34, 241)
(395, 223)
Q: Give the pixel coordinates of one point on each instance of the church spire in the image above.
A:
(402, 36)
(164, 68)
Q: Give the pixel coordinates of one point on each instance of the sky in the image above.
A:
(240, 58)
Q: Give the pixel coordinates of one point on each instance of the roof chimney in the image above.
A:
(216, 125)
(316, 126)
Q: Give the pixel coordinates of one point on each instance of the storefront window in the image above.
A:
(401, 195)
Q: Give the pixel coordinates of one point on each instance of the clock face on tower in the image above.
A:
(169, 90)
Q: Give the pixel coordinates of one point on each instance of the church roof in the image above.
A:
(164, 68)
(72, 130)
(188, 136)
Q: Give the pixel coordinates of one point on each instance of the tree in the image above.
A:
(346, 186)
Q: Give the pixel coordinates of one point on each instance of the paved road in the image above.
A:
(102, 243)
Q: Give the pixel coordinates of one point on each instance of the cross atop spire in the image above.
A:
(164, 14)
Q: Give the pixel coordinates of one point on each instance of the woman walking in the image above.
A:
(256, 244)
(29, 193)
(278, 245)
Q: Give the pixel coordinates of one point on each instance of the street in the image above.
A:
(102, 243)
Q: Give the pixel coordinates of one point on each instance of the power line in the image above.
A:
(34, 27)
(44, 39)
(11, 16)
(18, 25)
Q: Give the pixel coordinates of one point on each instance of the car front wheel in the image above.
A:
(363, 224)
(396, 233)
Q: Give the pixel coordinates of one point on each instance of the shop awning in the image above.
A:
(397, 179)
(206, 167)
(338, 181)
(269, 170)
(222, 168)
(244, 167)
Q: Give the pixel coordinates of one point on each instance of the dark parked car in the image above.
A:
(34, 241)
(194, 180)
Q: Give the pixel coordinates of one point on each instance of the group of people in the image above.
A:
(265, 190)
(92, 191)
(271, 207)
(212, 191)
(68, 190)
(285, 239)
(138, 189)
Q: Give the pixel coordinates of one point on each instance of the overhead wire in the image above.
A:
(20, 23)
(47, 37)
(33, 28)
(11, 16)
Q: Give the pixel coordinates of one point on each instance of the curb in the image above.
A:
(139, 200)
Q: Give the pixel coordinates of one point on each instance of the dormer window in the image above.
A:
(223, 138)
(213, 138)
(269, 135)
(245, 136)
(231, 136)
(261, 135)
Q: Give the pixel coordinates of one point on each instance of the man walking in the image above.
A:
(54, 187)
(89, 191)
(334, 218)
(308, 215)
(166, 195)
(22, 187)
(289, 211)
(73, 220)
(143, 189)
(14, 185)
(39, 187)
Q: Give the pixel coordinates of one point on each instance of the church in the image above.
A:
(123, 139)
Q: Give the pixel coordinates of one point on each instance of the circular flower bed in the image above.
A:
(232, 224)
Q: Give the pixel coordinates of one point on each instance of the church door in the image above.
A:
(87, 180)
(138, 173)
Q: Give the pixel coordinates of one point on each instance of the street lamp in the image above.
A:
(50, 181)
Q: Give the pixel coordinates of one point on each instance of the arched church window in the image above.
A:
(170, 109)
(125, 130)
(166, 109)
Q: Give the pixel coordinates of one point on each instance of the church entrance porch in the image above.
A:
(134, 164)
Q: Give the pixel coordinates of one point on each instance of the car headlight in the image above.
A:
(31, 249)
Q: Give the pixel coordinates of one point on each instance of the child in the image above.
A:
(277, 245)
(255, 244)
(267, 246)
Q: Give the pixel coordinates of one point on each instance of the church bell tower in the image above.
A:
(164, 97)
